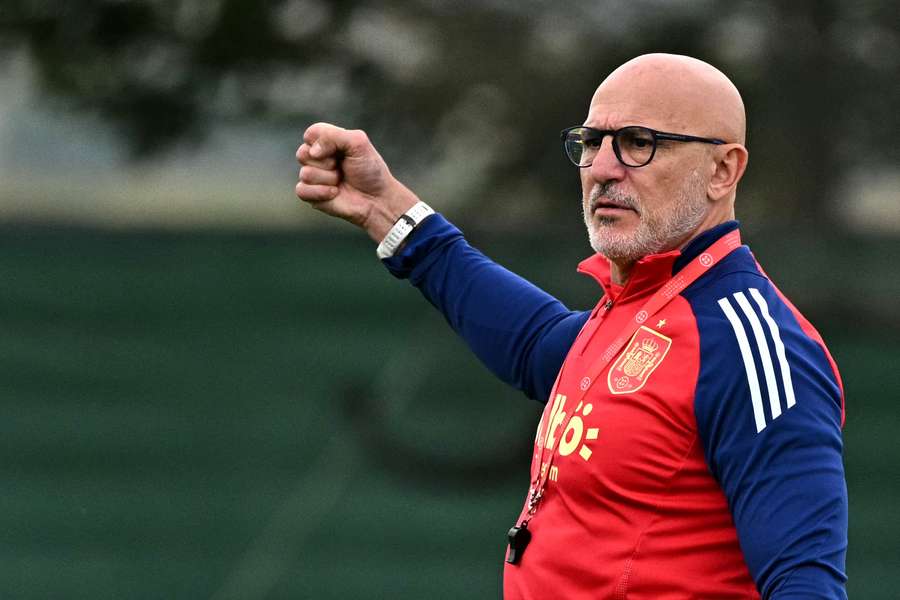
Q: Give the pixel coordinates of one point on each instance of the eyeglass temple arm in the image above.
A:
(687, 138)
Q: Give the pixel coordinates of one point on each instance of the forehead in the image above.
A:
(615, 110)
(644, 95)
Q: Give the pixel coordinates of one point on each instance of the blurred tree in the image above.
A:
(477, 91)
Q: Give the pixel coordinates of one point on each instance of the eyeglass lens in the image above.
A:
(635, 146)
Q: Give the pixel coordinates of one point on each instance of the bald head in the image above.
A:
(672, 93)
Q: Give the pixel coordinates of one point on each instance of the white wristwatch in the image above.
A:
(402, 228)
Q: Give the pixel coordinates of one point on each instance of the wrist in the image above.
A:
(402, 229)
(384, 215)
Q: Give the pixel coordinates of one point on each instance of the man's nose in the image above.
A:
(606, 167)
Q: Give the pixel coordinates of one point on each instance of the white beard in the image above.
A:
(660, 230)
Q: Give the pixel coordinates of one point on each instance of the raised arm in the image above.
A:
(518, 331)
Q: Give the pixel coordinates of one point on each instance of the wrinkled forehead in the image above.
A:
(642, 101)
(615, 111)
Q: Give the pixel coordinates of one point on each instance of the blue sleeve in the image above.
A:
(768, 407)
(521, 333)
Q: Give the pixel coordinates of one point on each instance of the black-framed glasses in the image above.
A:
(633, 145)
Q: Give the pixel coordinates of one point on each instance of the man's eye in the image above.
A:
(594, 143)
(640, 142)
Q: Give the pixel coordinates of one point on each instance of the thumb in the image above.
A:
(322, 148)
(327, 140)
(322, 139)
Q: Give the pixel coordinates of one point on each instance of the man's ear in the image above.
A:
(731, 162)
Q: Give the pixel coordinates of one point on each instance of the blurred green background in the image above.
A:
(209, 391)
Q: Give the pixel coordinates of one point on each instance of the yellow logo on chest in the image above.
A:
(571, 438)
(643, 354)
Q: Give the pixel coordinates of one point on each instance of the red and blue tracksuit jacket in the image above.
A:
(705, 464)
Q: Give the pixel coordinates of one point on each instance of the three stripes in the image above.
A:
(768, 365)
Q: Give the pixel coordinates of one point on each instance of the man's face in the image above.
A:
(633, 212)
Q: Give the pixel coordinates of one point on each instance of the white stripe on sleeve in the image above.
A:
(764, 354)
(744, 345)
(779, 347)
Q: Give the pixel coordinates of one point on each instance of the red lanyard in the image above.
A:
(677, 284)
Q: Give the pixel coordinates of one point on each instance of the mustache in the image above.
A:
(606, 193)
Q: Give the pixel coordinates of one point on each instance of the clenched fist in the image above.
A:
(342, 175)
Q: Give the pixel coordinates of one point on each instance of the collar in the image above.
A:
(653, 270)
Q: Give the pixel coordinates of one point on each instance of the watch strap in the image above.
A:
(402, 228)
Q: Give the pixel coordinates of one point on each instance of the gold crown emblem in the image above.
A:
(649, 345)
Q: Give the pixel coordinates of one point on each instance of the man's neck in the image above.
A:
(618, 272)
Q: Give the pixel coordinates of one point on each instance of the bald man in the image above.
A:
(691, 442)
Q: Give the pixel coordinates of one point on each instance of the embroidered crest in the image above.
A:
(641, 356)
